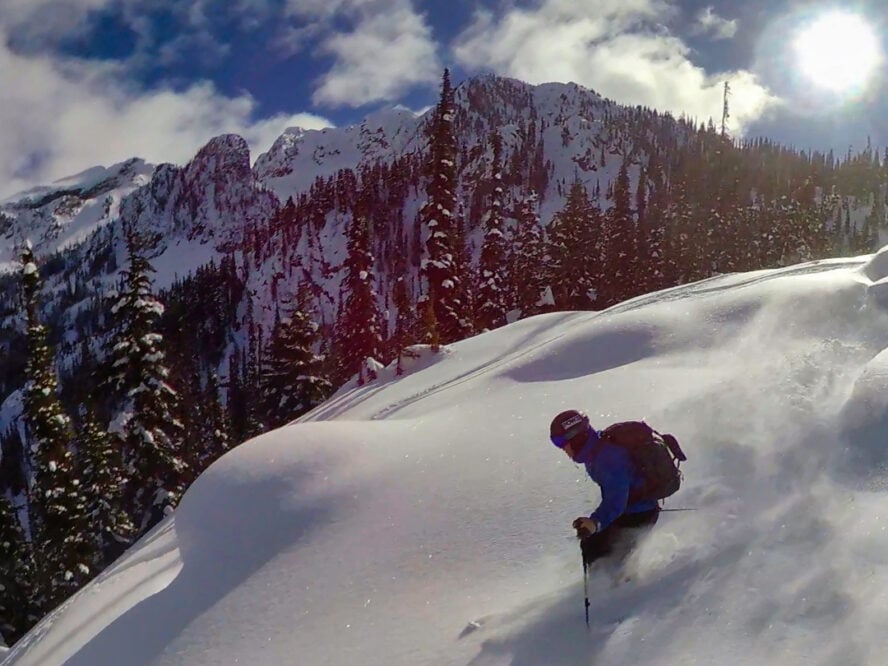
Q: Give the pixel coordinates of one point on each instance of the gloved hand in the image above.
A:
(585, 526)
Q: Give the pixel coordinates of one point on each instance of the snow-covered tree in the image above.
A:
(215, 434)
(491, 294)
(14, 472)
(359, 327)
(406, 322)
(17, 612)
(293, 375)
(650, 202)
(441, 279)
(103, 482)
(59, 530)
(149, 431)
(620, 244)
(530, 274)
(575, 253)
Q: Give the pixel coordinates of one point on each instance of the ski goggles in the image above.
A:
(578, 429)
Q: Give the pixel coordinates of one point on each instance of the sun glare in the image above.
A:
(839, 52)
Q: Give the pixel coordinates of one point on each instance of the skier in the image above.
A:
(626, 504)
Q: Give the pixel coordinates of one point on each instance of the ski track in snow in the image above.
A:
(729, 281)
(706, 287)
(477, 372)
(362, 394)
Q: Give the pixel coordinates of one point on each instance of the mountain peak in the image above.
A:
(227, 151)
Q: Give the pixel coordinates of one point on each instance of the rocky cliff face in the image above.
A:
(213, 199)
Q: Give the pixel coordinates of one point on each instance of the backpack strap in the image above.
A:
(674, 448)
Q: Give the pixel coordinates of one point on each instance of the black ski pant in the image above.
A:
(618, 537)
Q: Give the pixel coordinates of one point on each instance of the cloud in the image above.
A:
(620, 48)
(385, 49)
(386, 54)
(377, 49)
(319, 9)
(60, 116)
(35, 25)
(711, 24)
(166, 32)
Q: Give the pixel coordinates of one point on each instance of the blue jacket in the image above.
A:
(610, 467)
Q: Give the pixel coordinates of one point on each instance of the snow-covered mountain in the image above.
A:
(68, 211)
(202, 210)
(300, 156)
(578, 130)
(219, 205)
(426, 519)
(575, 129)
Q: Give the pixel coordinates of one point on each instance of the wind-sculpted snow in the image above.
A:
(862, 447)
(425, 518)
(876, 267)
(874, 273)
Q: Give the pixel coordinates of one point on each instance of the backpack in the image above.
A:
(655, 456)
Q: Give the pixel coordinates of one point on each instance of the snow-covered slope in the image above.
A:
(426, 519)
(67, 212)
(299, 156)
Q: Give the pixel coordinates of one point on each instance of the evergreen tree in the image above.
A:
(251, 368)
(575, 251)
(428, 325)
(405, 331)
(103, 482)
(684, 248)
(186, 375)
(206, 425)
(13, 462)
(237, 399)
(465, 273)
(359, 330)
(442, 285)
(651, 274)
(59, 530)
(530, 274)
(642, 228)
(215, 436)
(17, 613)
(490, 297)
(293, 379)
(620, 245)
(151, 434)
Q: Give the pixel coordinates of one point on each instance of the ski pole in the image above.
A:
(586, 586)
(688, 509)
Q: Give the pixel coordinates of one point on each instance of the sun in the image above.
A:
(838, 51)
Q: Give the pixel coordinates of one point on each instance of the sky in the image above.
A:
(94, 82)
(425, 519)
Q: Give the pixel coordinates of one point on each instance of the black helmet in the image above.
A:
(567, 426)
